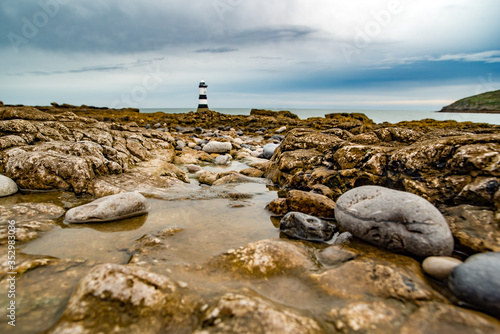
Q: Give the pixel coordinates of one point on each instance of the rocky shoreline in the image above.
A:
(444, 175)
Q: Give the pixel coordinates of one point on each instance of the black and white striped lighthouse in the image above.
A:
(203, 102)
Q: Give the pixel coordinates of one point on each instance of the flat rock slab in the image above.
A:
(477, 282)
(395, 220)
(109, 208)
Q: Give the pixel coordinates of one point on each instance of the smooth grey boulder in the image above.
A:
(302, 226)
(217, 147)
(109, 208)
(268, 150)
(7, 186)
(395, 220)
(477, 282)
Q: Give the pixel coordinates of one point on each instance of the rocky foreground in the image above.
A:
(375, 219)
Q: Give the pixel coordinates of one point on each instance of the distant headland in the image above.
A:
(483, 103)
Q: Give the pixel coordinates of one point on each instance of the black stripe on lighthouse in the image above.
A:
(203, 101)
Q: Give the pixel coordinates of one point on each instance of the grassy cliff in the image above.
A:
(483, 103)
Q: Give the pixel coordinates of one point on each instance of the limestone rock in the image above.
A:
(301, 226)
(310, 203)
(136, 300)
(252, 172)
(109, 208)
(476, 282)
(237, 313)
(440, 267)
(265, 258)
(222, 159)
(7, 186)
(395, 220)
(278, 206)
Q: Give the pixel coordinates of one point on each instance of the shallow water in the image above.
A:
(208, 226)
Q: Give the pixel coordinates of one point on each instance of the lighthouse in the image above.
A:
(203, 102)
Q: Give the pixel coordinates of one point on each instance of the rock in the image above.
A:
(148, 126)
(395, 220)
(252, 172)
(278, 206)
(265, 258)
(280, 130)
(434, 317)
(222, 159)
(476, 282)
(239, 133)
(207, 177)
(234, 178)
(136, 300)
(217, 147)
(180, 145)
(440, 267)
(236, 313)
(109, 208)
(194, 168)
(310, 203)
(268, 150)
(7, 186)
(301, 226)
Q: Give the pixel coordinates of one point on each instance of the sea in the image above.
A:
(378, 116)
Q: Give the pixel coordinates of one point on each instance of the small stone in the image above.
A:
(440, 267)
(395, 220)
(222, 159)
(109, 208)
(239, 133)
(280, 130)
(476, 282)
(268, 150)
(194, 168)
(217, 147)
(301, 226)
(7, 186)
(148, 126)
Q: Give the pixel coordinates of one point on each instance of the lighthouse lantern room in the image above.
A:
(203, 102)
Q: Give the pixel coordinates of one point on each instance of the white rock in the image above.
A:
(223, 159)
(280, 130)
(7, 186)
(217, 147)
(440, 267)
(109, 208)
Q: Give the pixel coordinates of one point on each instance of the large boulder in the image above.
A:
(395, 220)
(476, 282)
(109, 208)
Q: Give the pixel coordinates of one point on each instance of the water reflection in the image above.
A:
(128, 224)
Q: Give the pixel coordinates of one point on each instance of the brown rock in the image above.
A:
(278, 206)
(252, 172)
(310, 203)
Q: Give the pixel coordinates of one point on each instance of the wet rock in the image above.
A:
(265, 258)
(7, 186)
(301, 226)
(194, 168)
(31, 219)
(136, 300)
(268, 150)
(237, 313)
(222, 159)
(278, 206)
(335, 255)
(109, 208)
(398, 278)
(217, 147)
(440, 267)
(474, 227)
(207, 177)
(234, 178)
(433, 318)
(252, 172)
(310, 203)
(480, 192)
(366, 317)
(476, 282)
(395, 220)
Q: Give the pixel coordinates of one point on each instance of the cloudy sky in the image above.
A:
(357, 54)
